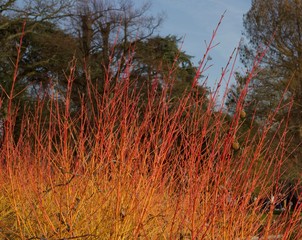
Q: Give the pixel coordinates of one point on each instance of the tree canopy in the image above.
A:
(274, 27)
(101, 36)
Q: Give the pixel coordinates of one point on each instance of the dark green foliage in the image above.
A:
(160, 59)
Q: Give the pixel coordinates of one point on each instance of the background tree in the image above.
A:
(44, 55)
(101, 35)
(105, 31)
(276, 25)
(160, 59)
(43, 10)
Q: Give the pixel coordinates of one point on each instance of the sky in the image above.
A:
(195, 20)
